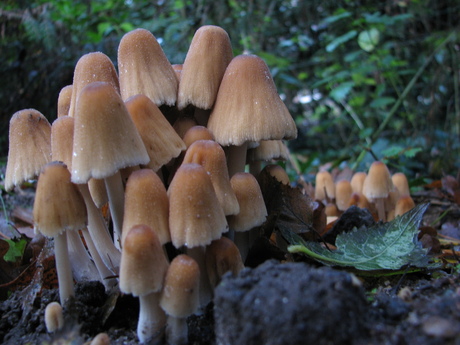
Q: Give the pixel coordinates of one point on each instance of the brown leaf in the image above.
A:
(289, 208)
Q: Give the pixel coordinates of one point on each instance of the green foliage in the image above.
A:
(345, 69)
(15, 251)
(385, 246)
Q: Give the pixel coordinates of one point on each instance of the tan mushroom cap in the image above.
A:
(180, 295)
(207, 58)
(357, 181)
(404, 204)
(105, 137)
(64, 99)
(248, 107)
(182, 124)
(324, 186)
(29, 146)
(268, 150)
(62, 140)
(211, 156)
(144, 68)
(58, 204)
(159, 137)
(343, 193)
(278, 173)
(401, 183)
(378, 182)
(195, 215)
(253, 211)
(146, 202)
(196, 133)
(222, 256)
(92, 67)
(143, 262)
(54, 317)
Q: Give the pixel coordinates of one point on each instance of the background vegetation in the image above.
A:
(363, 79)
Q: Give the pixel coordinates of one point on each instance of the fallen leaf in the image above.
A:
(384, 246)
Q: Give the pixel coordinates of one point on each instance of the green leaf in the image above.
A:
(385, 246)
(16, 250)
(341, 91)
(340, 40)
(382, 102)
(369, 39)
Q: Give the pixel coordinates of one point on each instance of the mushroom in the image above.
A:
(404, 204)
(324, 187)
(278, 173)
(105, 140)
(29, 146)
(195, 217)
(142, 272)
(144, 68)
(91, 67)
(357, 181)
(252, 213)
(208, 56)
(377, 187)
(401, 184)
(146, 202)
(343, 193)
(180, 297)
(248, 109)
(211, 157)
(267, 150)
(222, 256)
(159, 137)
(54, 317)
(64, 99)
(59, 207)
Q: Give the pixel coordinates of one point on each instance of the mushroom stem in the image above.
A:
(152, 319)
(83, 267)
(236, 158)
(115, 192)
(242, 242)
(199, 254)
(380, 205)
(177, 331)
(104, 271)
(63, 268)
(110, 255)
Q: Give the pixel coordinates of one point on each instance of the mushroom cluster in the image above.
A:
(165, 147)
(386, 196)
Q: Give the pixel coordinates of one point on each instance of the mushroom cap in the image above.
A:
(144, 68)
(248, 107)
(183, 123)
(64, 99)
(378, 182)
(268, 150)
(253, 211)
(400, 182)
(324, 186)
(159, 137)
(143, 262)
(54, 317)
(343, 193)
(211, 156)
(58, 204)
(207, 58)
(222, 255)
(62, 140)
(278, 173)
(357, 181)
(29, 146)
(105, 137)
(196, 133)
(91, 67)
(195, 215)
(180, 295)
(404, 204)
(146, 202)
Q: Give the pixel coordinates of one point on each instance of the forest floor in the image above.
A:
(278, 299)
